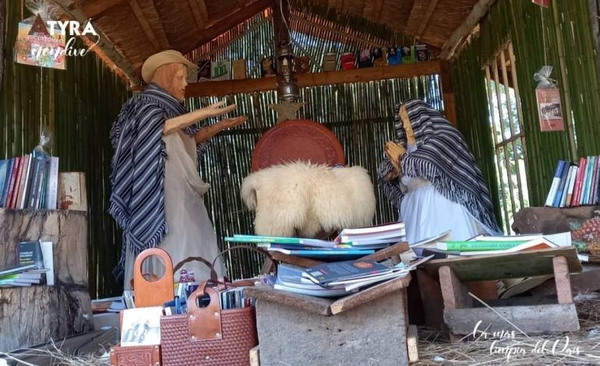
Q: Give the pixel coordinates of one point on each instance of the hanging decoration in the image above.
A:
(37, 44)
(288, 92)
(550, 112)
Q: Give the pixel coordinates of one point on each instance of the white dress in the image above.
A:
(426, 213)
(189, 230)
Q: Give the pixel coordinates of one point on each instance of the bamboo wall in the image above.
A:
(360, 114)
(561, 36)
(78, 105)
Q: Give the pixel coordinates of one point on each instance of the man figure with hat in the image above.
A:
(157, 193)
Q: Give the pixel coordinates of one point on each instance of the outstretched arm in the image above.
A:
(179, 122)
(209, 131)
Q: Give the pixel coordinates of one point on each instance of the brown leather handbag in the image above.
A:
(208, 335)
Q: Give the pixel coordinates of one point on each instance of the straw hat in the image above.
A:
(162, 58)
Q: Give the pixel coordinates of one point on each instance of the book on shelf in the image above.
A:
(30, 252)
(16, 269)
(560, 167)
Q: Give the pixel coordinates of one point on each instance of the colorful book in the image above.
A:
(469, 248)
(326, 273)
(555, 182)
(240, 238)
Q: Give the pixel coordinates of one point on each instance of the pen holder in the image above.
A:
(208, 335)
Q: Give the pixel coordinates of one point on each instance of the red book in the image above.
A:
(10, 198)
(579, 182)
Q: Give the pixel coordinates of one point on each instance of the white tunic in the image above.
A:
(426, 213)
(189, 230)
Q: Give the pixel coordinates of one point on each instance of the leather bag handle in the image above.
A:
(204, 323)
(154, 293)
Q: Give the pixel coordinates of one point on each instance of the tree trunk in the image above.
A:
(37, 314)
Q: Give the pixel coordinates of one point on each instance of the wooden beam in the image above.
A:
(137, 11)
(217, 27)
(155, 31)
(229, 87)
(479, 11)
(199, 12)
(426, 18)
(95, 8)
(72, 11)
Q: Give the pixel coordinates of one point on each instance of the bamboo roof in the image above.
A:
(132, 30)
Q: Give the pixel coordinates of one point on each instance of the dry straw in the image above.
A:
(568, 348)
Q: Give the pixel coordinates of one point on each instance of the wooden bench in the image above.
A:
(462, 313)
(367, 327)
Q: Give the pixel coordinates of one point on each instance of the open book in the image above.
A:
(486, 245)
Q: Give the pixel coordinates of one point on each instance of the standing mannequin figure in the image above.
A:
(157, 193)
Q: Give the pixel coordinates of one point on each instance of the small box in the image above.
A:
(330, 61)
(239, 69)
(348, 61)
(302, 64)
(422, 53)
(220, 70)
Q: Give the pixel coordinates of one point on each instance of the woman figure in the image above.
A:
(430, 174)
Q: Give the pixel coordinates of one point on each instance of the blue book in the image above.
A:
(7, 178)
(561, 185)
(555, 182)
(3, 176)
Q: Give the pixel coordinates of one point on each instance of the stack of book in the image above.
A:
(575, 185)
(349, 244)
(338, 278)
(29, 181)
(34, 266)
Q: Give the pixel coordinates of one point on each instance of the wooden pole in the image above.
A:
(448, 92)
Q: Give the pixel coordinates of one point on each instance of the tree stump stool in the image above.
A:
(367, 327)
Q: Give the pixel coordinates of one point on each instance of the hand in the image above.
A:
(215, 109)
(394, 153)
(232, 122)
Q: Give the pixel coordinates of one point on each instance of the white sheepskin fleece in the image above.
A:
(303, 198)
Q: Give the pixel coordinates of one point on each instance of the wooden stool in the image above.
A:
(463, 314)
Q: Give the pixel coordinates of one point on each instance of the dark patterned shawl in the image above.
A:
(138, 166)
(443, 158)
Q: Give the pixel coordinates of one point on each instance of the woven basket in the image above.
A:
(208, 335)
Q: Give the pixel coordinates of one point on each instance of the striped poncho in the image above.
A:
(444, 159)
(138, 165)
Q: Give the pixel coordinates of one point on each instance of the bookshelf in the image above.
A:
(36, 314)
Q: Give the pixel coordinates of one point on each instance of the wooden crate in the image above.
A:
(462, 313)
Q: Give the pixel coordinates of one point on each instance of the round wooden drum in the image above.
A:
(295, 140)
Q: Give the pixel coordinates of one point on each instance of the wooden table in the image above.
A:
(462, 312)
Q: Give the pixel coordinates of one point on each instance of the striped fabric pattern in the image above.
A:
(138, 165)
(443, 158)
